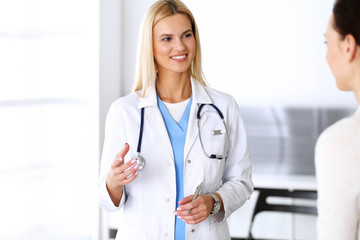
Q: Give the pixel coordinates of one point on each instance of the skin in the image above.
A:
(173, 37)
(343, 57)
(118, 177)
(174, 48)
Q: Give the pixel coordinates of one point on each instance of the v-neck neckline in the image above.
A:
(180, 126)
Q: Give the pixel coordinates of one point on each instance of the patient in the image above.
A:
(337, 154)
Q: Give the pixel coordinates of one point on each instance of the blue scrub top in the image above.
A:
(177, 135)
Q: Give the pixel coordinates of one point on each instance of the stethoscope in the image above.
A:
(140, 160)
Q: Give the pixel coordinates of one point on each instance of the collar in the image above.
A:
(199, 95)
(149, 99)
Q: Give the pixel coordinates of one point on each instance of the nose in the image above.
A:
(179, 45)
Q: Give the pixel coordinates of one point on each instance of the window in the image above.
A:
(48, 118)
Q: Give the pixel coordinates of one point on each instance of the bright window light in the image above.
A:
(49, 81)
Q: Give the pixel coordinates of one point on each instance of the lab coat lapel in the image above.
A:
(200, 96)
(157, 126)
(154, 121)
(192, 131)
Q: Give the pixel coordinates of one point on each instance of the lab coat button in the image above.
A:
(189, 161)
(167, 200)
(192, 230)
(169, 164)
(165, 234)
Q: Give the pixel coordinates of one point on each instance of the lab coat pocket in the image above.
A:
(213, 135)
(215, 149)
(213, 167)
(126, 233)
(219, 231)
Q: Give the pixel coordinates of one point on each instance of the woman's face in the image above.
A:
(174, 44)
(335, 56)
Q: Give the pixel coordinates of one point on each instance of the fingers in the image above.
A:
(199, 210)
(119, 159)
(124, 167)
(126, 170)
(186, 200)
(129, 175)
(194, 219)
(191, 208)
(118, 165)
(123, 173)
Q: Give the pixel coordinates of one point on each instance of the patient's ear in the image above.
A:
(350, 47)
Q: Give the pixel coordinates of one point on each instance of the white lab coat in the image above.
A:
(149, 201)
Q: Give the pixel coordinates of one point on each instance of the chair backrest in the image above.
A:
(263, 205)
(112, 233)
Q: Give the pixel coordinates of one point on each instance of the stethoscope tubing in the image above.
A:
(219, 157)
(211, 104)
(141, 130)
(141, 160)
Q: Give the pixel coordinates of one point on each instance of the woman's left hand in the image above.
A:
(200, 208)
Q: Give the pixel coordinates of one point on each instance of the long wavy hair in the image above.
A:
(146, 68)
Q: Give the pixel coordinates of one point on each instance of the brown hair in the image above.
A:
(347, 18)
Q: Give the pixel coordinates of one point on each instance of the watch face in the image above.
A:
(217, 203)
(216, 207)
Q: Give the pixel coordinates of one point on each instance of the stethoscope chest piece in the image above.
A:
(140, 161)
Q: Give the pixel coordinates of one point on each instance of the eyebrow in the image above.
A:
(169, 35)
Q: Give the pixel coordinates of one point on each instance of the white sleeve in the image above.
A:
(338, 193)
(237, 185)
(112, 145)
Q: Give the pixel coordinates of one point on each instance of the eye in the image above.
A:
(166, 39)
(188, 35)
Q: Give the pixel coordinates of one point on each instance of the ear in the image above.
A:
(350, 47)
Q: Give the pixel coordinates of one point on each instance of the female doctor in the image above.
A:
(171, 137)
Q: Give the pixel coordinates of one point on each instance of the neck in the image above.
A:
(173, 88)
(357, 95)
(351, 73)
(356, 87)
(356, 67)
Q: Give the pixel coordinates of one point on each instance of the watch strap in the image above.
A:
(217, 203)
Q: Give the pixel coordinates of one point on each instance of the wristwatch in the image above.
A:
(217, 204)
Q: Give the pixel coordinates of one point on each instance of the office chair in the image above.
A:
(112, 233)
(263, 205)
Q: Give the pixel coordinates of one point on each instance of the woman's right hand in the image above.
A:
(120, 174)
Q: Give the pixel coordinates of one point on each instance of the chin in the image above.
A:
(341, 86)
(182, 70)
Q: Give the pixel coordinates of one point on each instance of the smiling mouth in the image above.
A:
(179, 57)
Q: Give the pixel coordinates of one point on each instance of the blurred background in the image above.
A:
(62, 63)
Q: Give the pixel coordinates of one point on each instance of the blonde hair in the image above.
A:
(146, 70)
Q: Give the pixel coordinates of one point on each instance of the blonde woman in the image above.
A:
(338, 148)
(175, 155)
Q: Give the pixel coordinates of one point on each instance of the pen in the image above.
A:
(197, 191)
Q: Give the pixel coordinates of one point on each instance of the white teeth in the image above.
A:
(179, 57)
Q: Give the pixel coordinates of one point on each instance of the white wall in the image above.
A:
(49, 68)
